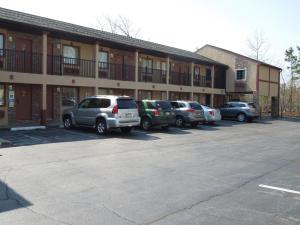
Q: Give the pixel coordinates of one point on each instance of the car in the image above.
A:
(187, 112)
(211, 115)
(103, 112)
(242, 111)
(156, 113)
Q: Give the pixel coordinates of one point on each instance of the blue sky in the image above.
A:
(187, 24)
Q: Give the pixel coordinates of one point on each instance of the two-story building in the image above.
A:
(48, 65)
(248, 79)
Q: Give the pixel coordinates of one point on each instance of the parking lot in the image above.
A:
(230, 173)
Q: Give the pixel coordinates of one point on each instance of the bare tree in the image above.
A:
(258, 46)
(119, 25)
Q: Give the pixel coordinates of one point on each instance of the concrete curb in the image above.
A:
(5, 143)
(27, 128)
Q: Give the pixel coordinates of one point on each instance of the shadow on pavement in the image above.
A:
(11, 200)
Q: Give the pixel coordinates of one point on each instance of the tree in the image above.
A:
(294, 69)
(258, 46)
(119, 25)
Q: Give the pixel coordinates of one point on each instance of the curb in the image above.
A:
(5, 143)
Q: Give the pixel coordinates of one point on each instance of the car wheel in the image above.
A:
(101, 127)
(179, 121)
(67, 122)
(146, 124)
(241, 117)
(126, 129)
(194, 124)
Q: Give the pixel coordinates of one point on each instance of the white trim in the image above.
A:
(27, 128)
(244, 69)
(279, 189)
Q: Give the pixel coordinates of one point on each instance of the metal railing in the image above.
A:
(59, 65)
(180, 78)
(116, 71)
(20, 61)
(202, 81)
(152, 75)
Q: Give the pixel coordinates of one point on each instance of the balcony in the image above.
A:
(202, 81)
(116, 71)
(178, 78)
(59, 65)
(152, 75)
(20, 61)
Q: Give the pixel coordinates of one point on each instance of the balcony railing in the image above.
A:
(152, 75)
(202, 81)
(59, 65)
(20, 61)
(116, 71)
(180, 78)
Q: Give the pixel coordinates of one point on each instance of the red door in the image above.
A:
(24, 55)
(23, 102)
(49, 102)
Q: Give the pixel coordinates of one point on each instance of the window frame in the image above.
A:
(4, 95)
(100, 63)
(146, 69)
(245, 74)
(196, 76)
(73, 61)
(3, 43)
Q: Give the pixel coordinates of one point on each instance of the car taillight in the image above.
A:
(115, 110)
(155, 112)
(212, 113)
(190, 110)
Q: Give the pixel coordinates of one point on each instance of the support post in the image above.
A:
(136, 66)
(96, 61)
(44, 105)
(212, 86)
(45, 54)
(168, 73)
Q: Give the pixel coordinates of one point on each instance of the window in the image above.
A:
(104, 103)
(2, 95)
(147, 65)
(195, 106)
(165, 105)
(84, 104)
(241, 74)
(175, 105)
(71, 54)
(127, 103)
(95, 103)
(150, 105)
(196, 73)
(164, 68)
(1, 44)
(103, 60)
(69, 96)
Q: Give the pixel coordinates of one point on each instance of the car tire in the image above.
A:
(67, 122)
(179, 121)
(194, 124)
(101, 127)
(126, 130)
(146, 124)
(241, 117)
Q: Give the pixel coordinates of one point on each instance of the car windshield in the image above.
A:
(164, 105)
(126, 103)
(196, 106)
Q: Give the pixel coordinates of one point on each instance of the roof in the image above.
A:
(225, 50)
(51, 25)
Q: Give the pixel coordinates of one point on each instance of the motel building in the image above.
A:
(47, 66)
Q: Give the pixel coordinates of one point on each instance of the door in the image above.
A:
(50, 102)
(23, 55)
(50, 58)
(23, 102)
(81, 112)
(274, 107)
(119, 61)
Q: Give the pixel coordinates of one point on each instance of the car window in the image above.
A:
(251, 105)
(84, 104)
(175, 105)
(164, 105)
(150, 105)
(94, 103)
(126, 103)
(104, 102)
(195, 106)
(182, 105)
(139, 104)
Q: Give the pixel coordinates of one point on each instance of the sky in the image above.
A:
(186, 24)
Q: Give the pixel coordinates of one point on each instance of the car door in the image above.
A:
(92, 111)
(225, 110)
(81, 112)
(231, 110)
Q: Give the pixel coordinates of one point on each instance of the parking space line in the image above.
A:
(279, 189)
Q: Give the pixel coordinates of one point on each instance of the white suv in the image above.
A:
(103, 112)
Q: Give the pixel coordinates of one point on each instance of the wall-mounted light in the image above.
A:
(10, 38)
(140, 59)
(58, 46)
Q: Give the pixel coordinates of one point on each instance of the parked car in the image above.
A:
(242, 111)
(211, 115)
(187, 112)
(103, 113)
(155, 113)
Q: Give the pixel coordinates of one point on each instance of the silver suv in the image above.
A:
(103, 112)
(242, 111)
(188, 112)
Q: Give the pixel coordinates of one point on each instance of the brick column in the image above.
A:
(96, 61)
(136, 66)
(168, 73)
(44, 85)
(212, 86)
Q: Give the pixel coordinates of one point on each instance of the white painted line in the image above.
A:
(27, 128)
(279, 189)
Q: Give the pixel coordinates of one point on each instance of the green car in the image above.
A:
(156, 113)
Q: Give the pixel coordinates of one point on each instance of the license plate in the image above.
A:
(128, 115)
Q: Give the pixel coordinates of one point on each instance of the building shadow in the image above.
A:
(10, 199)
